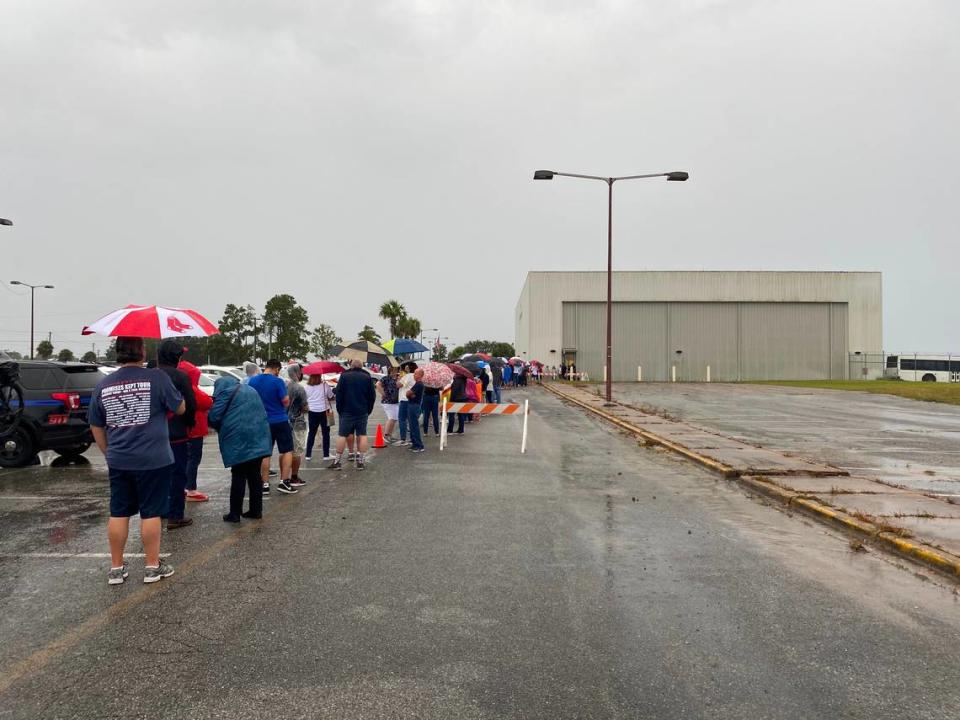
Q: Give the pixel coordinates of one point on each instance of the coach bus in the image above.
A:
(924, 368)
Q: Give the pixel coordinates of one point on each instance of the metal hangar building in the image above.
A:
(744, 325)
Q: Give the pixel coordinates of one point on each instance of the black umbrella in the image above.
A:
(365, 352)
(497, 362)
(471, 366)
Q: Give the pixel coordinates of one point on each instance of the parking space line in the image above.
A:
(17, 556)
(81, 497)
(54, 497)
(36, 661)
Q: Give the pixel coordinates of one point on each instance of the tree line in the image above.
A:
(282, 330)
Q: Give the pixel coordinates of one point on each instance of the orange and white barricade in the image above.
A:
(479, 408)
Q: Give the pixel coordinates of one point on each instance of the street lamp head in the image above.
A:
(49, 287)
(543, 175)
(16, 282)
(4, 221)
(678, 176)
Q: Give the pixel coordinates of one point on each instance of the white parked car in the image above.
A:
(218, 371)
(206, 383)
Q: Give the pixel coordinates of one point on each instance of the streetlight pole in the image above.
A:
(677, 176)
(32, 289)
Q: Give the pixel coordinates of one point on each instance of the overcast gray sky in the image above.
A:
(197, 153)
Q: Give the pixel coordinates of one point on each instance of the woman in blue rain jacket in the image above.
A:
(243, 432)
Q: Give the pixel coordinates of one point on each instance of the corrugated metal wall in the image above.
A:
(739, 341)
(539, 320)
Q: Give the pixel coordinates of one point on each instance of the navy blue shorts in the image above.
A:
(350, 424)
(282, 434)
(143, 491)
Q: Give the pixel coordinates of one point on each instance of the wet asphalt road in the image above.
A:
(589, 578)
(899, 441)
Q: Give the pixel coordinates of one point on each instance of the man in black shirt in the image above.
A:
(356, 397)
(168, 357)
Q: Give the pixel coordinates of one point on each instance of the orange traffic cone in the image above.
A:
(378, 442)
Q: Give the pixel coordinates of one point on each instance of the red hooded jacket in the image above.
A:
(204, 401)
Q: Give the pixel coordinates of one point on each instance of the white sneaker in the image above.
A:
(330, 457)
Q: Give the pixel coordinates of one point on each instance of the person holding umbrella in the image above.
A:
(128, 419)
(431, 409)
(320, 413)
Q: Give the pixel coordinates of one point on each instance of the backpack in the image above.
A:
(472, 391)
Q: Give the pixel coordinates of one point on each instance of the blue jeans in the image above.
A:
(318, 421)
(402, 419)
(431, 409)
(496, 394)
(178, 480)
(461, 418)
(413, 422)
(194, 456)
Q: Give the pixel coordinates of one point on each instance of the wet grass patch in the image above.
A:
(948, 393)
(881, 524)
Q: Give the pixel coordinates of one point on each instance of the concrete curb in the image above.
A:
(944, 563)
(652, 438)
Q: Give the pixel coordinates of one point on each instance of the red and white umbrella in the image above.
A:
(152, 321)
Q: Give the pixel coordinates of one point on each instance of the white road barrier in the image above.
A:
(478, 408)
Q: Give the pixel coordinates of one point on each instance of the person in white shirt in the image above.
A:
(320, 410)
(406, 382)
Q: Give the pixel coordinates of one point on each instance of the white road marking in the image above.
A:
(54, 497)
(17, 556)
(83, 497)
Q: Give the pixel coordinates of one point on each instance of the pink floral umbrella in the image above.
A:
(436, 375)
(152, 321)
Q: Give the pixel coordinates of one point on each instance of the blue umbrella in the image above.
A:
(404, 346)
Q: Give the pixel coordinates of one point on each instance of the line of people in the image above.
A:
(150, 423)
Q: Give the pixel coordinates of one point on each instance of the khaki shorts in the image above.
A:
(299, 439)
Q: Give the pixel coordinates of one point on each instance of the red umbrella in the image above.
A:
(322, 367)
(460, 370)
(152, 321)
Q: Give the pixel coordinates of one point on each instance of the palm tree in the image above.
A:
(369, 334)
(408, 327)
(393, 312)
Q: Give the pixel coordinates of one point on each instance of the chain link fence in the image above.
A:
(869, 366)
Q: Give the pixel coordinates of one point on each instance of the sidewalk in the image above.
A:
(917, 526)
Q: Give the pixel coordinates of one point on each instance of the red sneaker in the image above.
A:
(195, 496)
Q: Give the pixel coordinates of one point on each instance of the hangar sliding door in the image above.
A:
(705, 334)
(639, 334)
(792, 341)
(738, 340)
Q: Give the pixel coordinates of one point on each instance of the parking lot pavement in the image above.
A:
(588, 578)
(898, 441)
